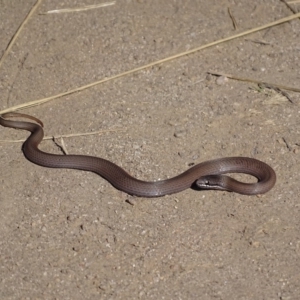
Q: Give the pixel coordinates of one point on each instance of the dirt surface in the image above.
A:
(69, 234)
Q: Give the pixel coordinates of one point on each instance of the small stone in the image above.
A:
(179, 133)
(221, 80)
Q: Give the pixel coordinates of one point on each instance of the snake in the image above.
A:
(207, 175)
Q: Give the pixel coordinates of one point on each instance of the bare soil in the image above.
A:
(69, 234)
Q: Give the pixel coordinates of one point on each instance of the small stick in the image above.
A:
(232, 19)
(84, 8)
(279, 86)
(289, 6)
(67, 135)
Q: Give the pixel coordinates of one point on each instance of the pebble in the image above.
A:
(222, 80)
(179, 133)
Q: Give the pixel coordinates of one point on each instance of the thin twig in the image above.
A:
(78, 9)
(68, 135)
(289, 6)
(279, 86)
(258, 42)
(61, 146)
(232, 19)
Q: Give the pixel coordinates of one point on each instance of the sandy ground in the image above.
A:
(69, 234)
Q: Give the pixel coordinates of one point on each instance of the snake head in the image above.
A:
(213, 182)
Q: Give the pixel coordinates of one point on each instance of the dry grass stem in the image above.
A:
(12, 41)
(247, 32)
(232, 19)
(258, 42)
(289, 6)
(279, 86)
(293, 2)
(78, 9)
(99, 132)
(61, 146)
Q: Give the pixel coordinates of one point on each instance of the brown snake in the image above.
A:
(206, 175)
